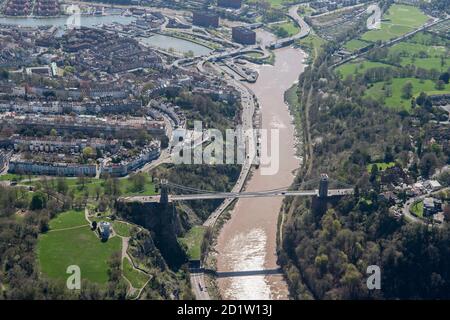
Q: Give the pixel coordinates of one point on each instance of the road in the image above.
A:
(406, 210)
(304, 28)
(237, 195)
(248, 110)
(198, 284)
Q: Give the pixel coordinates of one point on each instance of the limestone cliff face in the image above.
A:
(164, 225)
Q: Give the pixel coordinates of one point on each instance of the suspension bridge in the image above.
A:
(191, 194)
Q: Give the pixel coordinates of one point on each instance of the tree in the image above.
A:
(407, 90)
(61, 185)
(81, 181)
(427, 164)
(88, 152)
(445, 77)
(373, 173)
(98, 191)
(321, 263)
(138, 180)
(38, 201)
(4, 74)
(351, 279)
(440, 85)
(421, 99)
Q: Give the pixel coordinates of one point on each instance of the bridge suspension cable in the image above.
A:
(201, 191)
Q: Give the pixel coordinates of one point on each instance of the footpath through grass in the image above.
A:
(122, 229)
(137, 278)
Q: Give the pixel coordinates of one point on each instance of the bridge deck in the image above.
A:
(228, 195)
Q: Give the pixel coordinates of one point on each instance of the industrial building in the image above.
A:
(244, 35)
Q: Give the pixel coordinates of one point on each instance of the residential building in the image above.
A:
(244, 35)
(205, 19)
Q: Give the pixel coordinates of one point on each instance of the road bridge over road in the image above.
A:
(304, 29)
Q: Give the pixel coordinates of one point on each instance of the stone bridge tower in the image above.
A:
(164, 192)
(323, 186)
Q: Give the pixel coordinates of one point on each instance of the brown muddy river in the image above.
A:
(247, 242)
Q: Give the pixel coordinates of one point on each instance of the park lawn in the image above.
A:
(126, 187)
(73, 184)
(427, 63)
(428, 39)
(278, 4)
(11, 176)
(355, 44)
(122, 229)
(137, 278)
(91, 184)
(351, 68)
(410, 48)
(399, 20)
(254, 55)
(381, 166)
(60, 249)
(396, 101)
(193, 240)
(313, 43)
(410, 53)
(290, 27)
(305, 10)
(417, 209)
(68, 219)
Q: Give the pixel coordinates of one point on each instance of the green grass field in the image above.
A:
(358, 67)
(417, 209)
(60, 249)
(193, 240)
(381, 166)
(11, 176)
(274, 3)
(91, 185)
(396, 101)
(138, 279)
(68, 219)
(423, 56)
(312, 43)
(289, 27)
(122, 229)
(355, 44)
(398, 20)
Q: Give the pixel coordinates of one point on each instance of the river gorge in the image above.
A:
(247, 243)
